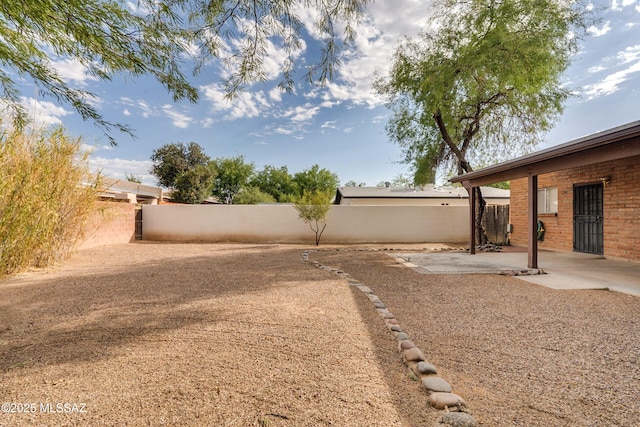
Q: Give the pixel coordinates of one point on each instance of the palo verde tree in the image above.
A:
(154, 37)
(483, 82)
(106, 37)
(313, 208)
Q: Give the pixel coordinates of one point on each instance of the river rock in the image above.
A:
(413, 355)
(457, 419)
(449, 400)
(436, 384)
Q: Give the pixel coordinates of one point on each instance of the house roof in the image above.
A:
(427, 192)
(616, 143)
(114, 186)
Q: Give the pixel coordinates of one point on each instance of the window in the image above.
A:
(548, 200)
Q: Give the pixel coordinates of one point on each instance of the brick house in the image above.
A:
(585, 193)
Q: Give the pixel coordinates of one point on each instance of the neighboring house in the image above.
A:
(429, 195)
(130, 192)
(586, 193)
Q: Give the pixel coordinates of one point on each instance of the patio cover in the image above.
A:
(613, 144)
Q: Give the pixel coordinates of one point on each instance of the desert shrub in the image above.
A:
(46, 196)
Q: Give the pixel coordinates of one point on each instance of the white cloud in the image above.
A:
(179, 120)
(145, 110)
(273, 57)
(118, 168)
(331, 124)
(599, 32)
(619, 5)
(379, 119)
(207, 123)
(302, 113)
(245, 105)
(283, 131)
(72, 70)
(611, 83)
(624, 64)
(44, 113)
(630, 54)
(596, 69)
(275, 94)
(376, 38)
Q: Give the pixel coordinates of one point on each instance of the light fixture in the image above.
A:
(605, 180)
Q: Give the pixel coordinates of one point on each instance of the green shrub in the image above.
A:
(252, 196)
(46, 196)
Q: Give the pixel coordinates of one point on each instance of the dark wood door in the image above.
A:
(588, 229)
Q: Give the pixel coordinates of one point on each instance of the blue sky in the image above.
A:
(341, 126)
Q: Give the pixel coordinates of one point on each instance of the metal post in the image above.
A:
(472, 216)
(533, 221)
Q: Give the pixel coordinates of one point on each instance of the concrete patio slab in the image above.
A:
(558, 270)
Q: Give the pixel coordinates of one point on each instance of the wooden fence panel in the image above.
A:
(495, 223)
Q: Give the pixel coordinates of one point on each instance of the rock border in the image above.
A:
(439, 392)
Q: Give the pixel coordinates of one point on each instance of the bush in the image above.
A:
(46, 197)
(252, 196)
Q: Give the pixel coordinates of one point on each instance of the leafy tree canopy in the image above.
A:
(232, 174)
(172, 160)
(194, 185)
(316, 179)
(153, 37)
(132, 178)
(277, 182)
(483, 82)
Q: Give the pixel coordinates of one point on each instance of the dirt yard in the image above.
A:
(238, 335)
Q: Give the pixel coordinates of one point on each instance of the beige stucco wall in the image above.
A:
(280, 223)
(363, 201)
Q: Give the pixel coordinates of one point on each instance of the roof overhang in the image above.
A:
(613, 144)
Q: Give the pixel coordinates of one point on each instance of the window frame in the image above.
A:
(548, 203)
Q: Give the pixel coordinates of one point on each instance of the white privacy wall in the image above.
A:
(280, 224)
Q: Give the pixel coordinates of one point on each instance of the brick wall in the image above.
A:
(621, 207)
(113, 223)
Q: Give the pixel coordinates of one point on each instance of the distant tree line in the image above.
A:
(193, 176)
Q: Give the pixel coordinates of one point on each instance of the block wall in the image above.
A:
(112, 223)
(621, 207)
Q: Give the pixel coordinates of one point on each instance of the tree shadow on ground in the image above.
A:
(89, 316)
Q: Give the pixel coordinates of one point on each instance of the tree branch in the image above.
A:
(452, 145)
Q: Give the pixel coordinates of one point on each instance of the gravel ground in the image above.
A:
(242, 335)
(518, 353)
(196, 335)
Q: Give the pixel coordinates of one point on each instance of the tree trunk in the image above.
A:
(464, 167)
(481, 236)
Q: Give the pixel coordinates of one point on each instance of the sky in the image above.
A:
(341, 126)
